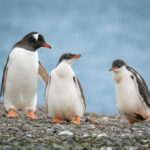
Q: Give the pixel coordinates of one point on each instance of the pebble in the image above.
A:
(101, 135)
(92, 126)
(40, 148)
(7, 147)
(24, 133)
(85, 135)
(29, 135)
(88, 120)
(109, 148)
(106, 148)
(125, 135)
(130, 148)
(56, 146)
(65, 133)
(105, 118)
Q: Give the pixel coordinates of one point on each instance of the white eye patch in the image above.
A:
(36, 36)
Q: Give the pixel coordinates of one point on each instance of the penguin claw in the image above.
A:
(76, 121)
(131, 122)
(31, 115)
(57, 120)
(12, 114)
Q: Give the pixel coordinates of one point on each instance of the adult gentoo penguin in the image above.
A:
(20, 75)
(64, 95)
(132, 93)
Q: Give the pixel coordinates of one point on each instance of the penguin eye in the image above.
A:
(119, 65)
(40, 38)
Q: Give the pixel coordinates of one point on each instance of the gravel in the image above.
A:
(107, 133)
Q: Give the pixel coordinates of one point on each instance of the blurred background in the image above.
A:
(100, 30)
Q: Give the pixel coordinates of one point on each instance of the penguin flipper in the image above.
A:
(2, 92)
(80, 89)
(141, 87)
(46, 93)
(43, 74)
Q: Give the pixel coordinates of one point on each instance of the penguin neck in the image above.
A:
(24, 45)
(64, 69)
(120, 75)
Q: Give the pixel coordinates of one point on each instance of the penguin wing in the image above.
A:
(2, 92)
(43, 73)
(141, 86)
(80, 91)
(46, 93)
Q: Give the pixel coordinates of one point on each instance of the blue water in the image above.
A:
(100, 30)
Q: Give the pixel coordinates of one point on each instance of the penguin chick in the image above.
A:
(64, 95)
(132, 94)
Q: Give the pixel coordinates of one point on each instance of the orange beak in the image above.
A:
(77, 56)
(112, 69)
(46, 45)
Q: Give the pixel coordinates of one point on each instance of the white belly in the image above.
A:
(128, 99)
(21, 82)
(63, 98)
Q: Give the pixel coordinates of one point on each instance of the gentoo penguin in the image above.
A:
(132, 93)
(20, 75)
(64, 95)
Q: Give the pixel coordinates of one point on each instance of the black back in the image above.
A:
(142, 86)
(76, 81)
(4, 78)
(82, 93)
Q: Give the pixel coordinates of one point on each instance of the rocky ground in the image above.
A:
(108, 133)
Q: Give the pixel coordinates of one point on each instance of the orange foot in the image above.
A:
(131, 122)
(57, 120)
(144, 116)
(12, 113)
(76, 120)
(31, 114)
(141, 116)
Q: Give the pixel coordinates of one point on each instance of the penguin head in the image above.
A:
(32, 41)
(68, 58)
(118, 68)
(118, 65)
